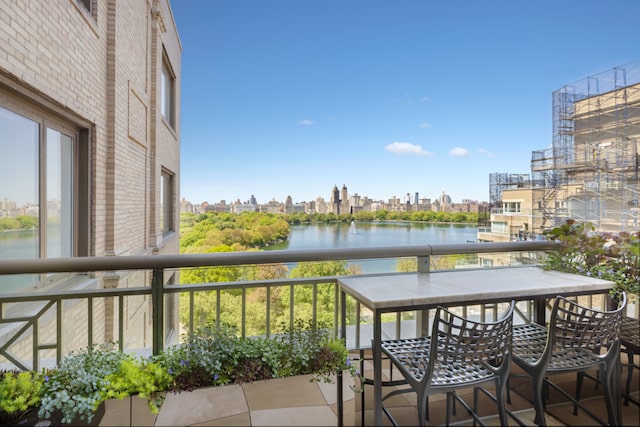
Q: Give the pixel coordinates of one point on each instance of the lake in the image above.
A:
(314, 236)
(375, 234)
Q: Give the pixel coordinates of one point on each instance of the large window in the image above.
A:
(39, 183)
(167, 93)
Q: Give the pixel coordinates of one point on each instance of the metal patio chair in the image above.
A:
(630, 345)
(577, 339)
(460, 353)
(630, 340)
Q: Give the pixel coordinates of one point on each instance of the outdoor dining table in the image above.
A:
(421, 291)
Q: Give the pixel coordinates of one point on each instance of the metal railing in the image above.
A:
(37, 319)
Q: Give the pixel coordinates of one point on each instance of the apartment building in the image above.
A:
(591, 171)
(90, 142)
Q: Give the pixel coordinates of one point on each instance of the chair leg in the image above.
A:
(449, 398)
(500, 392)
(611, 390)
(476, 391)
(454, 411)
(423, 405)
(538, 399)
(362, 402)
(629, 377)
(579, 382)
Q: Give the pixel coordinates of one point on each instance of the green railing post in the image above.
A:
(422, 316)
(157, 310)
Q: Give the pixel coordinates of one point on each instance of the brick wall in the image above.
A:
(102, 70)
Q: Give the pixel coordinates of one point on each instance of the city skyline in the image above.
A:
(280, 98)
(402, 198)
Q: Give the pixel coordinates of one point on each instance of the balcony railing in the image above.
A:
(38, 328)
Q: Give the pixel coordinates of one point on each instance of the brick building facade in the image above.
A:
(90, 124)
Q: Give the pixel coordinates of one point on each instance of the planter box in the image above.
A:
(291, 401)
(131, 411)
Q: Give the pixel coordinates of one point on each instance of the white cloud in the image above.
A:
(306, 122)
(425, 99)
(402, 148)
(459, 152)
(425, 126)
(486, 152)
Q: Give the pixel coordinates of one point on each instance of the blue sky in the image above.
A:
(292, 97)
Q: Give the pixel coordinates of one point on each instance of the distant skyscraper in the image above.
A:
(335, 200)
(344, 200)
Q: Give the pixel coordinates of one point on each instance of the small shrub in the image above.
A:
(75, 387)
(139, 377)
(609, 256)
(20, 392)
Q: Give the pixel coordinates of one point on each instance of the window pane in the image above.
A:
(162, 203)
(19, 237)
(166, 94)
(59, 194)
(166, 203)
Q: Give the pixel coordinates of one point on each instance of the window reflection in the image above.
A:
(59, 194)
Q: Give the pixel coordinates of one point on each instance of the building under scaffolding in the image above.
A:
(591, 171)
(498, 182)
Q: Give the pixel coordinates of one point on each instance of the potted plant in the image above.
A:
(80, 389)
(218, 366)
(76, 388)
(136, 378)
(610, 256)
(20, 394)
(216, 355)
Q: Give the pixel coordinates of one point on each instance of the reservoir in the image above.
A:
(21, 244)
(375, 234)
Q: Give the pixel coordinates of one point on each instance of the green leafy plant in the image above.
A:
(20, 393)
(76, 386)
(609, 256)
(215, 355)
(137, 376)
(312, 350)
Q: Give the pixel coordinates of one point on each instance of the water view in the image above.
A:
(315, 236)
(375, 234)
(17, 244)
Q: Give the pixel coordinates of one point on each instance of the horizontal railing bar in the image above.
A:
(212, 286)
(112, 263)
(65, 295)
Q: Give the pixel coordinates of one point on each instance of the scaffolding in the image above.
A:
(498, 182)
(591, 171)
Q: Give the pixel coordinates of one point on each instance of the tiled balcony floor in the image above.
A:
(559, 412)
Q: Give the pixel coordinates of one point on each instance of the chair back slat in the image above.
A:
(576, 326)
(464, 341)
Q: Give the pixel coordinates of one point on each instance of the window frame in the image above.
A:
(167, 93)
(513, 207)
(45, 120)
(167, 202)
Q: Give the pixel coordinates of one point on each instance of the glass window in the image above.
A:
(19, 189)
(59, 187)
(37, 192)
(498, 227)
(512, 207)
(166, 202)
(167, 93)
